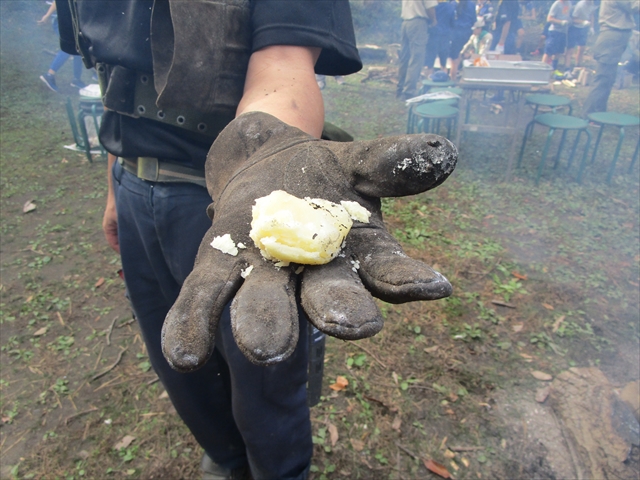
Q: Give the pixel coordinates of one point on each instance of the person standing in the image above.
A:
(506, 26)
(49, 78)
(462, 31)
(581, 25)
(556, 43)
(218, 101)
(417, 17)
(616, 19)
(439, 42)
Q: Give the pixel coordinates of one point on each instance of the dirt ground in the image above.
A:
(527, 371)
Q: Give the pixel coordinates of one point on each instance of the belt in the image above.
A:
(156, 170)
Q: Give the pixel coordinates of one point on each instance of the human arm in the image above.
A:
(110, 217)
(281, 82)
(52, 8)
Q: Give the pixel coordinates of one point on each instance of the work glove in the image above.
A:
(257, 154)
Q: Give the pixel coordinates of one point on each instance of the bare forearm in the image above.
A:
(281, 82)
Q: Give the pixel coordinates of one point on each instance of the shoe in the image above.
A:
(558, 75)
(50, 81)
(78, 83)
(213, 471)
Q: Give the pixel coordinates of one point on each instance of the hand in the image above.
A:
(564, 23)
(592, 31)
(43, 20)
(110, 224)
(257, 154)
(500, 48)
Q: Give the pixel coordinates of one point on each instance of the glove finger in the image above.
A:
(264, 315)
(397, 166)
(337, 303)
(189, 329)
(390, 274)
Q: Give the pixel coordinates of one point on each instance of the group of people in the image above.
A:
(450, 30)
(566, 30)
(453, 29)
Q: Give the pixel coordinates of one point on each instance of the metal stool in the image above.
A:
(548, 100)
(427, 85)
(558, 122)
(429, 116)
(93, 109)
(449, 101)
(617, 120)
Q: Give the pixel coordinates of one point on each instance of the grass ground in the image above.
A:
(545, 278)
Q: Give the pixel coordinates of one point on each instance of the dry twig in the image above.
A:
(79, 414)
(111, 367)
(111, 330)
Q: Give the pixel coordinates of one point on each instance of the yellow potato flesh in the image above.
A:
(292, 230)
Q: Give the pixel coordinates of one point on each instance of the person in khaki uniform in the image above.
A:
(417, 17)
(616, 24)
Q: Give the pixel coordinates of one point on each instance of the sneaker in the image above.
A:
(50, 81)
(78, 83)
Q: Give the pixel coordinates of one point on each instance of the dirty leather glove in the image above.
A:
(257, 154)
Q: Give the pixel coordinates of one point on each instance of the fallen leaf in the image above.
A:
(448, 411)
(437, 468)
(64, 160)
(547, 306)
(519, 276)
(453, 397)
(333, 434)
(517, 327)
(542, 394)
(487, 217)
(538, 375)
(341, 384)
(449, 454)
(396, 423)
(5, 419)
(394, 375)
(526, 357)
(163, 395)
(358, 445)
(557, 323)
(99, 282)
(124, 443)
(465, 462)
(454, 465)
(40, 332)
(29, 206)
(431, 349)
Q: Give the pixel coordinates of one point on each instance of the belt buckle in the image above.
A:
(148, 168)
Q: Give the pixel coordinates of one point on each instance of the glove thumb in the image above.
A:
(397, 166)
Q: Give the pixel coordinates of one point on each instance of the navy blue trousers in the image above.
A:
(240, 413)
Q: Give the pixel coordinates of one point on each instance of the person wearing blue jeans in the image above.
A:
(223, 93)
(209, 398)
(61, 57)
